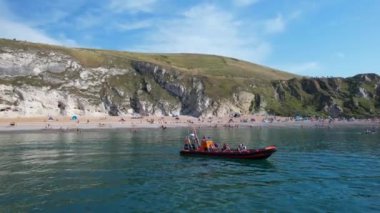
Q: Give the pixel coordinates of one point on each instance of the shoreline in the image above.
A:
(87, 123)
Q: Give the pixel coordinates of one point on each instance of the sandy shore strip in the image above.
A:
(65, 123)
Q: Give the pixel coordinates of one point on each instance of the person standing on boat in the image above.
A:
(193, 141)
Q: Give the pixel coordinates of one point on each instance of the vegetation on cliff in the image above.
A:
(115, 82)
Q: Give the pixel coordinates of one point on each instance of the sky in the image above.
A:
(318, 38)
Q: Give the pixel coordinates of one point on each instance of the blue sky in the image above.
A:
(307, 37)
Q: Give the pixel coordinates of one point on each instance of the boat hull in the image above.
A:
(253, 154)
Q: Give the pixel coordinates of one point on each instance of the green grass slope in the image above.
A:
(275, 91)
(223, 75)
(194, 64)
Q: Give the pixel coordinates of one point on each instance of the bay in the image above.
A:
(314, 170)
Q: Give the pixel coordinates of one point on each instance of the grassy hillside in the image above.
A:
(226, 75)
(221, 78)
(194, 64)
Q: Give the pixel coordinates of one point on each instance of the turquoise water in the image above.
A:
(314, 170)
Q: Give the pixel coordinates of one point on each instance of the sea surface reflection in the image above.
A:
(123, 170)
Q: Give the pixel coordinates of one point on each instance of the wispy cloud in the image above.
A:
(4, 11)
(133, 25)
(13, 29)
(91, 18)
(244, 3)
(340, 55)
(118, 15)
(132, 6)
(208, 29)
(275, 25)
(203, 28)
(310, 68)
(279, 23)
(295, 14)
(246, 29)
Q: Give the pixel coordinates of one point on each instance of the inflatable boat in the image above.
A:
(262, 153)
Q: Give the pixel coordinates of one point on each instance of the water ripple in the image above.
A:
(314, 170)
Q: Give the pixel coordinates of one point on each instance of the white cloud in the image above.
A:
(4, 11)
(207, 29)
(340, 55)
(310, 68)
(131, 6)
(64, 40)
(275, 25)
(295, 15)
(90, 19)
(10, 29)
(115, 15)
(130, 25)
(16, 30)
(244, 3)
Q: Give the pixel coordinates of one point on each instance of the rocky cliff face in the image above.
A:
(189, 91)
(356, 96)
(42, 80)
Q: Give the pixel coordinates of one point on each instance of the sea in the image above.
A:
(140, 170)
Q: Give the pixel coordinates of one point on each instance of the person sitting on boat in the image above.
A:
(210, 146)
(226, 147)
(242, 147)
(207, 145)
(204, 146)
(187, 145)
(193, 147)
(215, 146)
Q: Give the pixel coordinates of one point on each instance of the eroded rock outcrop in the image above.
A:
(188, 90)
(336, 97)
(42, 80)
(21, 62)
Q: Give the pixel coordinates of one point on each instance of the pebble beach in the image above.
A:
(65, 123)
